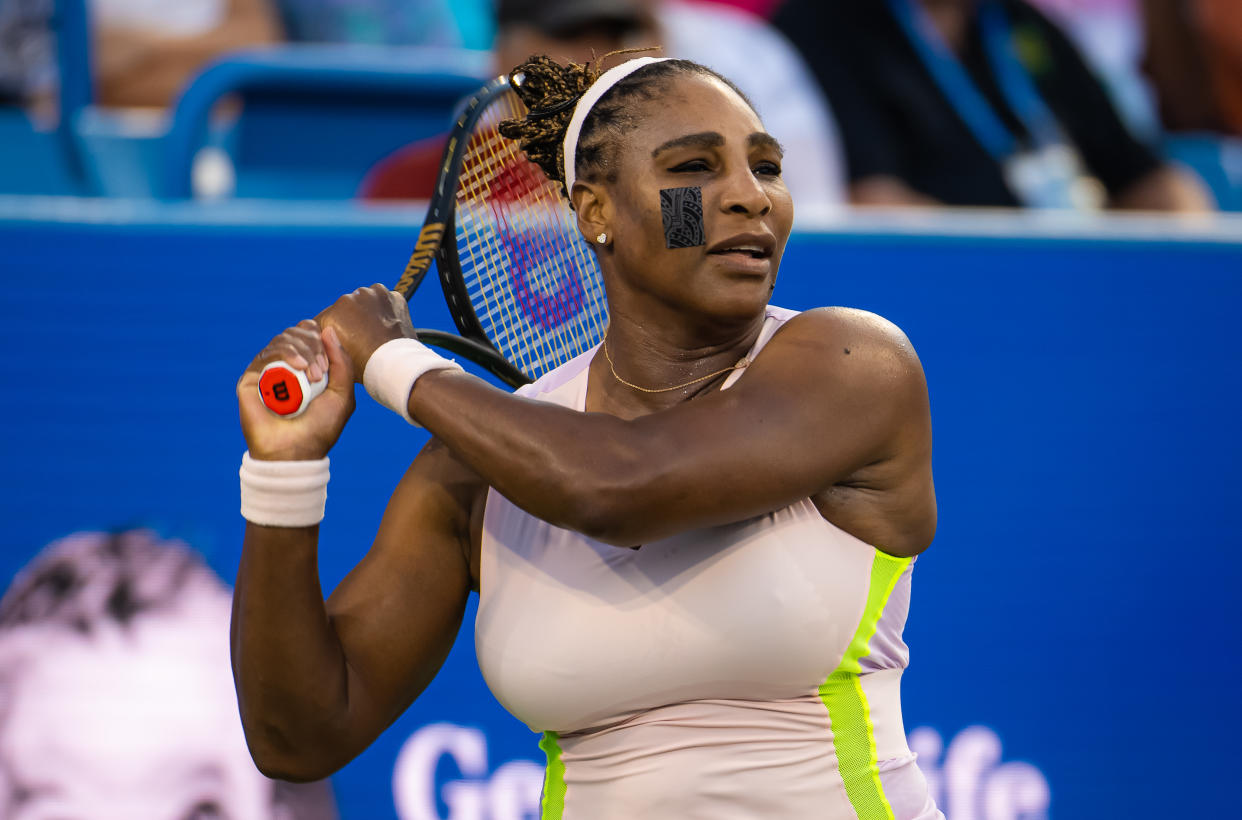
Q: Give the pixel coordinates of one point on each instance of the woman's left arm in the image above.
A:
(835, 391)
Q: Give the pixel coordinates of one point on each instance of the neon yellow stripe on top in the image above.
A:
(553, 804)
(850, 716)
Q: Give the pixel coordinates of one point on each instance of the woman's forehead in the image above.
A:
(692, 105)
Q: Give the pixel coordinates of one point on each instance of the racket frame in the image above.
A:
(437, 243)
(440, 241)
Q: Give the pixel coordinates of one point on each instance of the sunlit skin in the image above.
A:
(835, 409)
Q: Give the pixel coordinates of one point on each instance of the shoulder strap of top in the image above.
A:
(774, 319)
(565, 385)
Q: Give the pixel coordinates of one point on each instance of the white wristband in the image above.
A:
(395, 366)
(283, 493)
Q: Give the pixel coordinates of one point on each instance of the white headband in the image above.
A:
(598, 89)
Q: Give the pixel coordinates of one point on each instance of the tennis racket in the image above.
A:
(519, 279)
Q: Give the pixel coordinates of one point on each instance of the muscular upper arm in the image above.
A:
(398, 611)
(835, 393)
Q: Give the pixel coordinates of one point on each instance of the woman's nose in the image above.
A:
(743, 194)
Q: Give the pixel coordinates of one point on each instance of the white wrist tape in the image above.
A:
(395, 366)
(283, 493)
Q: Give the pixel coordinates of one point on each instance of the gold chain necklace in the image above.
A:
(743, 362)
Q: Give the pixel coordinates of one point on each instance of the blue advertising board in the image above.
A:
(1073, 635)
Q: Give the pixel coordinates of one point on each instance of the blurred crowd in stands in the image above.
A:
(1000, 103)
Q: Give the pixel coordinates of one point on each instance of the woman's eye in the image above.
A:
(692, 166)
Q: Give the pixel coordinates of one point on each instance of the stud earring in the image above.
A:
(602, 238)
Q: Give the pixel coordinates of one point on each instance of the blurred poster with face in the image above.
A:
(116, 693)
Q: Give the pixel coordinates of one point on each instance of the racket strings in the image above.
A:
(532, 280)
(485, 251)
(531, 235)
(514, 229)
(489, 298)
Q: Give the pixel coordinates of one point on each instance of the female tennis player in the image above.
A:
(692, 544)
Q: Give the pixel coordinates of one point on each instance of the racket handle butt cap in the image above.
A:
(286, 391)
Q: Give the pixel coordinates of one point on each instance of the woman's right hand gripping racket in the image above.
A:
(521, 282)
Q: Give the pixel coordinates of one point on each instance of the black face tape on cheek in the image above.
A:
(682, 209)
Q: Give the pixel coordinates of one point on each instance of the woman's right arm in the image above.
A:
(318, 681)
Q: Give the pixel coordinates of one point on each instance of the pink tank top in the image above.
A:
(750, 670)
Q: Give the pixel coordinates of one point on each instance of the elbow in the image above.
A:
(276, 770)
(614, 491)
(614, 506)
(596, 513)
(279, 756)
(608, 527)
(274, 767)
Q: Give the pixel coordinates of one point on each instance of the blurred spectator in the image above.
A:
(27, 56)
(1109, 35)
(450, 23)
(1194, 59)
(739, 45)
(144, 51)
(116, 692)
(147, 50)
(975, 102)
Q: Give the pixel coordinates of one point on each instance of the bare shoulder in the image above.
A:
(863, 326)
(869, 371)
(858, 346)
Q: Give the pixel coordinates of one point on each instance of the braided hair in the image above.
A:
(549, 91)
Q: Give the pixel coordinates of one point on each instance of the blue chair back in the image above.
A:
(314, 119)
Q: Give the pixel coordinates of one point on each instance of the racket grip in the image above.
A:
(286, 391)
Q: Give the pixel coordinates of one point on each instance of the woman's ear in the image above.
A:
(594, 210)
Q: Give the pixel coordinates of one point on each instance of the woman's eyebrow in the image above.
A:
(706, 139)
(762, 139)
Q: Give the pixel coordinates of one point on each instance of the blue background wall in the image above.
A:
(1079, 597)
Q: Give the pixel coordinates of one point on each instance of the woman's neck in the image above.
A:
(649, 366)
